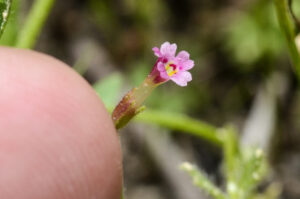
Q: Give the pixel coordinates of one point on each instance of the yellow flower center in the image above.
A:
(171, 69)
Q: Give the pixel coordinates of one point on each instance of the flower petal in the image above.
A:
(164, 75)
(164, 47)
(172, 50)
(187, 76)
(160, 66)
(156, 51)
(187, 65)
(183, 56)
(168, 49)
(182, 78)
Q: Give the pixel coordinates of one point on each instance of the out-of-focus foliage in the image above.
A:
(296, 9)
(35, 20)
(254, 35)
(109, 89)
(244, 169)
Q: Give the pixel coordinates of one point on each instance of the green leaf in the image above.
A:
(252, 35)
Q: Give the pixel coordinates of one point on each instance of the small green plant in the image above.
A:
(244, 169)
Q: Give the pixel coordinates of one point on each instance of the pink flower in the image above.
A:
(167, 67)
(171, 67)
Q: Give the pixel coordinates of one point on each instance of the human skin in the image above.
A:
(56, 138)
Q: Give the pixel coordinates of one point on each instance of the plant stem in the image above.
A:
(231, 151)
(231, 155)
(5, 11)
(181, 123)
(131, 103)
(34, 23)
(288, 29)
